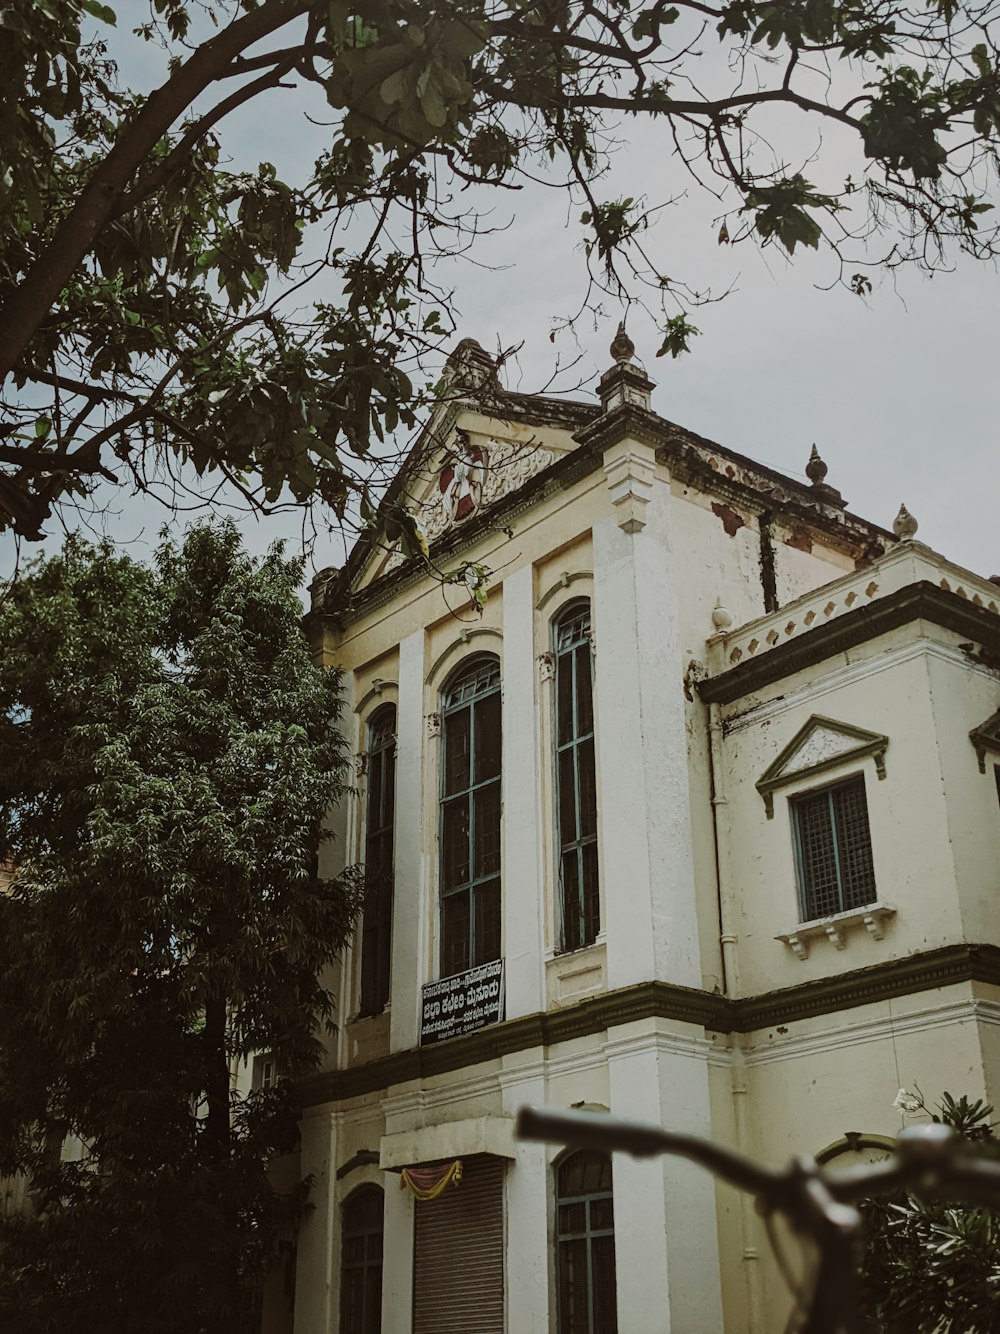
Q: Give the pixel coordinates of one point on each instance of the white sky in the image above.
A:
(898, 392)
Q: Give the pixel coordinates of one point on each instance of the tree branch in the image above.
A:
(75, 237)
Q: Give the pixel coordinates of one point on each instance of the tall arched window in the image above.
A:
(376, 920)
(576, 780)
(470, 817)
(585, 1245)
(361, 1263)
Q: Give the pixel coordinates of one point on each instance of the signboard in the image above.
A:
(463, 1003)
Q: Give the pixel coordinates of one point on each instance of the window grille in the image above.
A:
(585, 1245)
(376, 918)
(576, 778)
(833, 846)
(361, 1263)
(470, 818)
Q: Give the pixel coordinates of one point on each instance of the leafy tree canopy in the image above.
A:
(934, 1268)
(167, 757)
(152, 298)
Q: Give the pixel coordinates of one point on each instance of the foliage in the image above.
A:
(152, 296)
(935, 1268)
(167, 756)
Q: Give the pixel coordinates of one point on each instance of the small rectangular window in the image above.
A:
(265, 1072)
(833, 847)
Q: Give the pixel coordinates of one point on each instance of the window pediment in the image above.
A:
(819, 745)
(986, 737)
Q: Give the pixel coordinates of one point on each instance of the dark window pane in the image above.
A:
(585, 1254)
(834, 844)
(591, 895)
(487, 922)
(486, 802)
(455, 933)
(572, 915)
(574, 1298)
(602, 1264)
(568, 831)
(588, 789)
(573, 1218)
(457, 734)
(361, 1270)
(455, 843)
(488, 739)
(565, 730)
(584, 692)
(377, 914)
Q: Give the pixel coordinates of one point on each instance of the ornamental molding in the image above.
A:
(821, 744)
(986, 737)
(630, 470)
(470, 477)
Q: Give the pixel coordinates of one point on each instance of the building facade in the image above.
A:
(678, 794)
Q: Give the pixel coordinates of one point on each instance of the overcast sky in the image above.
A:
(899, 392)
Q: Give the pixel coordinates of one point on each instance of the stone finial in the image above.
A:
(471, 366)
(904, 525)
(816, 469)
(622, 347)
(626, 382)
(722, 617)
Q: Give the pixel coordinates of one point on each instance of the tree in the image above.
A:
(167, 757)
(934, 1268)
(149, 293)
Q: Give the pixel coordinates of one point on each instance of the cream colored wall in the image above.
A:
(910, 836)
(962, 697)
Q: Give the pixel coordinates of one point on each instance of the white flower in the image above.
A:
(907, 1102)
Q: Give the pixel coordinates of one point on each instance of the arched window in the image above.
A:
(470, 817)
(361, 1264)
(585, 1245)
(576, 780)
(376, 920)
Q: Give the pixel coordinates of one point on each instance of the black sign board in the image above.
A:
(463, 1003)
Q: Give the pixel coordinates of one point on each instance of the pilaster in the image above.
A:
(397, 1259)
(649, 903)
(666, 1238)
(318, 1246)
(408, 915)
(523, 892)
(529, 1190)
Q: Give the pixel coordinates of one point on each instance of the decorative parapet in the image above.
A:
(630, 468)
(906, 564)
(835, 928)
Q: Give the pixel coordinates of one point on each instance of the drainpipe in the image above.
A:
(731, 987)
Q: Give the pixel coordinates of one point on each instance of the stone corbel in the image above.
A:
(546, 666)
(630, 468)
(433, 724)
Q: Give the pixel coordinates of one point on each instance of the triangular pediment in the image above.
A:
(468, 462)
(986, 737)
(820, 744)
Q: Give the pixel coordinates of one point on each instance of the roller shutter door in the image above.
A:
(458, 1254)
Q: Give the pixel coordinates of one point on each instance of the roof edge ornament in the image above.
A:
(816, 470)
(470, 367)
(626, 382)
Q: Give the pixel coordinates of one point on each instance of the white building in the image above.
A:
(711, 783)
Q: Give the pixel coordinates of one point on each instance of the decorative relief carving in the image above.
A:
(546, 666)
(433, 724)
(471, 478)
